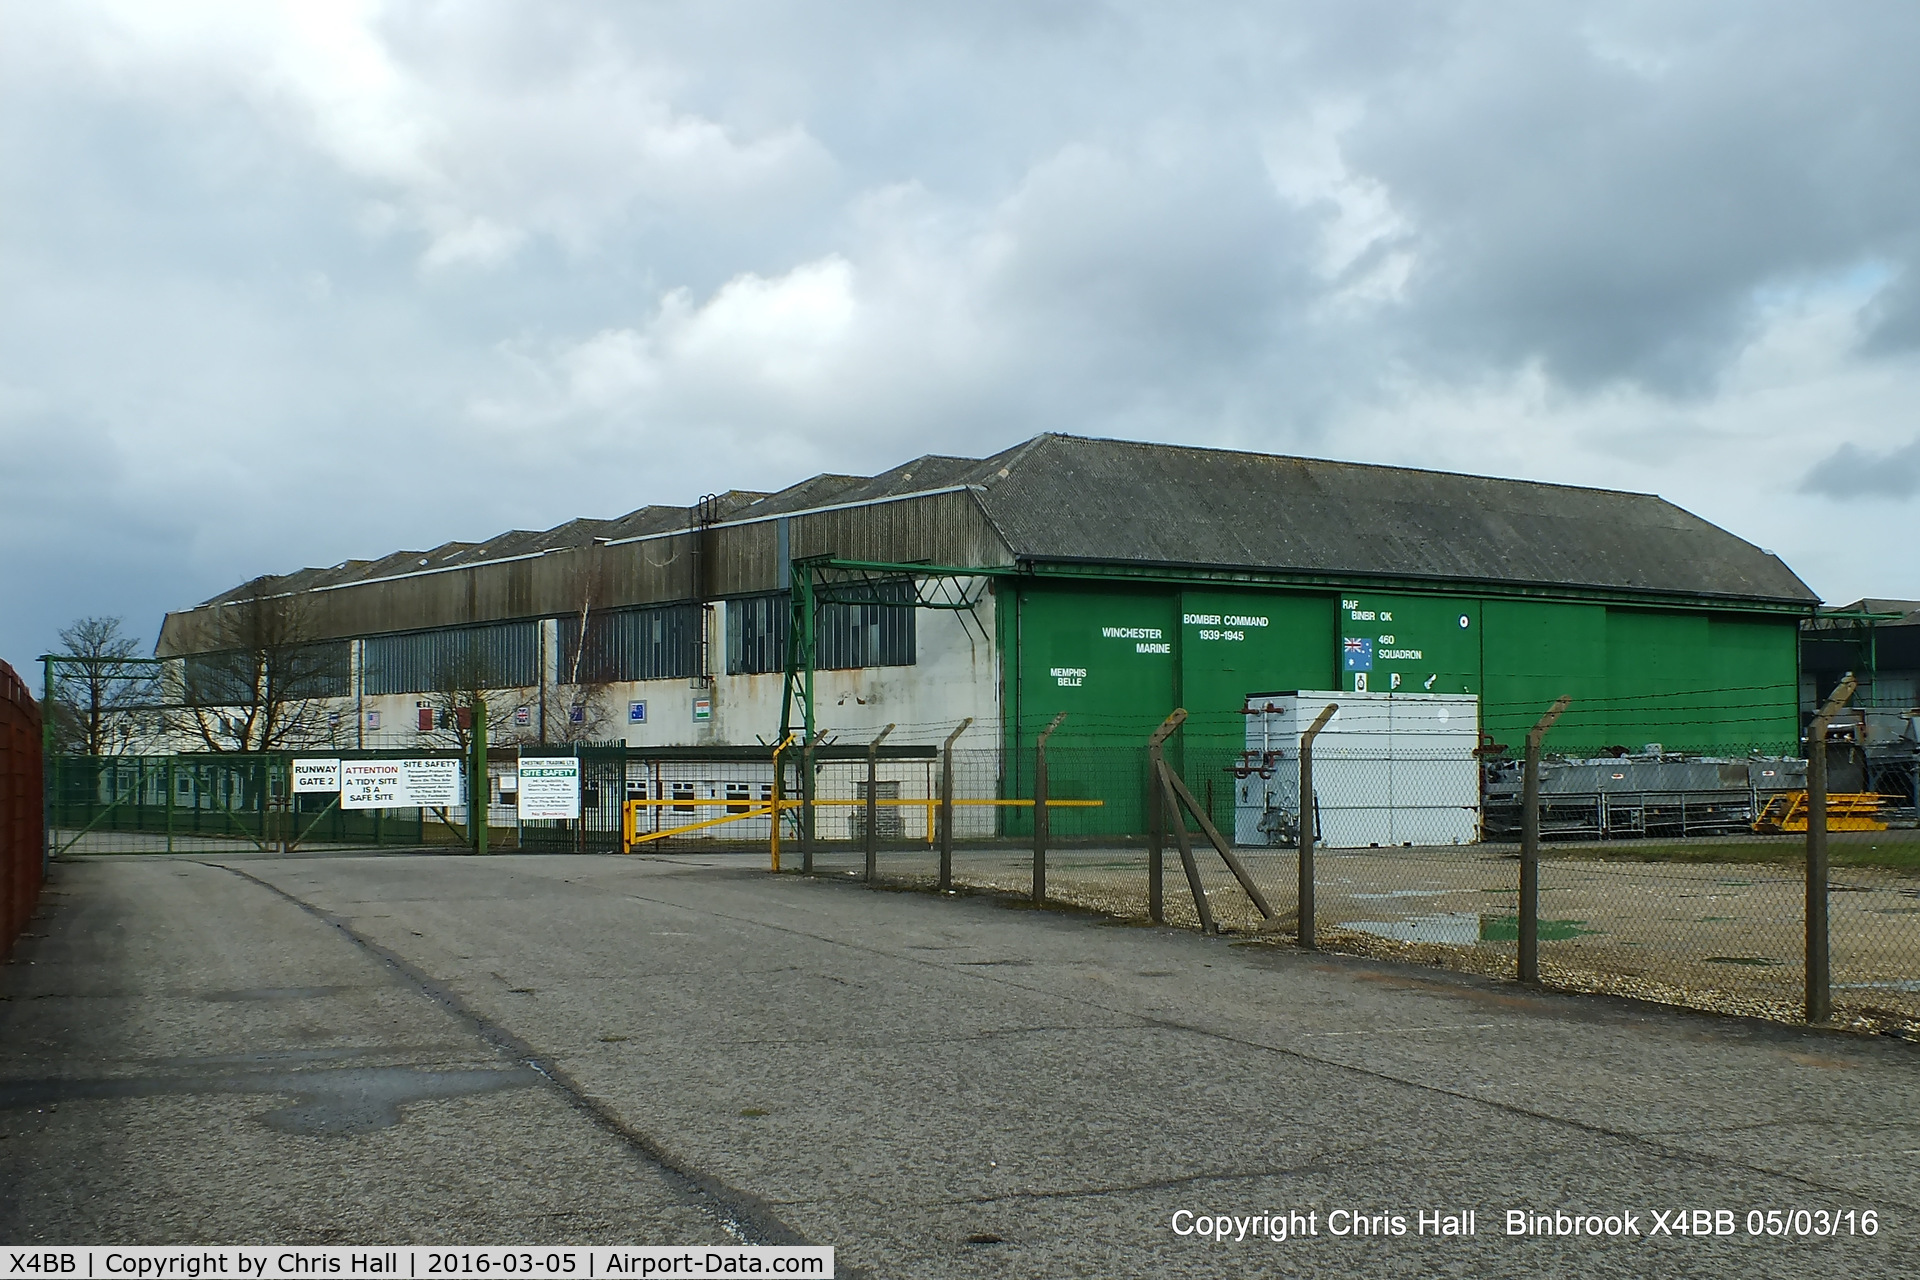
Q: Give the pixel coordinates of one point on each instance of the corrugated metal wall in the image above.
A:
(657, 643)
(741, 559)
(22, 840)
(501, 656)
(307, 671)
(849, 636)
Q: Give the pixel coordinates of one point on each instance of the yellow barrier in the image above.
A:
(1788, 812)
(745, 809)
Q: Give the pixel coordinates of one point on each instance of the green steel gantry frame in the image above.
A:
(821, 580)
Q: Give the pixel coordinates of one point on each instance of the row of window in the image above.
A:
(846, 637)
(500, 655)
(656, 642)
(279, 673)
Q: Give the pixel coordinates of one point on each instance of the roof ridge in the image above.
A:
(1347, 462)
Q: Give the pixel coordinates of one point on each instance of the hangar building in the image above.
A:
(1108, 579)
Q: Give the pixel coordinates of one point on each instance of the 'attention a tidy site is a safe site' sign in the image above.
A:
(399, 784)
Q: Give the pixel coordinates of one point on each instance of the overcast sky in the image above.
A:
(286, 284)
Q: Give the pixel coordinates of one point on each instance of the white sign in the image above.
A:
(399, 784)
(316, 775)
(549, 787)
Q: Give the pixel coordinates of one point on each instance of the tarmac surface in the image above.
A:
(682, 1050)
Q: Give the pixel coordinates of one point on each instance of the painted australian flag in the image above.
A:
(1357, 654)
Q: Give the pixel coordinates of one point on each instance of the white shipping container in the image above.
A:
(1388, 769)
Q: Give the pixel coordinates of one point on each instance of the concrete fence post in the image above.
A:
(946, 806)
(1042, 821)
(1819, 954)
(1157, 818)
(1307, 912)
(1529, 908)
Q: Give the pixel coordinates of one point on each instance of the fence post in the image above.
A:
(806, 807)
(873, 807)
(1529, 910)
(1042, 821)
(1171, 808)
(1157, 819)
(480, 787)
(946, 807)
(1305, 909)
(779, 794)
(1819, 956)
(170, 790)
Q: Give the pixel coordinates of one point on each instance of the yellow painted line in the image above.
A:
(913, 801)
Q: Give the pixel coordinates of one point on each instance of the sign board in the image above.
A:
(577, 714)
(1409, 644)
(636, 713)
(549, 787)
(703, 708)
(373, 719)
(316, 775)
(399, 784)
(523, 716)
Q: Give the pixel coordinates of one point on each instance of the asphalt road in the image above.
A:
(524, 1049)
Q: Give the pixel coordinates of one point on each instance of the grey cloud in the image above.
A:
(1092, 239)
(1853, 472)
(1617, 221)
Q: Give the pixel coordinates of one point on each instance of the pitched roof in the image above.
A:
(1066, 499)
(502, 546)
(1070, 498)
(1909, 609)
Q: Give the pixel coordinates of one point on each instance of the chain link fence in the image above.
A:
(1666, 876)
(1674, 876)
(246, 803)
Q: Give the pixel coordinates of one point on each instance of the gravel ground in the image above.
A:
(1726, 937)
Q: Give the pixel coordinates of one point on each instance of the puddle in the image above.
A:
(325, 1103)
(1455, 928)
(1898, 984)
(1507, 929)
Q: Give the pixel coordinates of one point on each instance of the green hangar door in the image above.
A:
(1233, 643)
(1106, 658)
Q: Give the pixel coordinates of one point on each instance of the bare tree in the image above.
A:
(463, 684)
(578, 708)
(100, 691)
(262, 681)
(569, 706)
